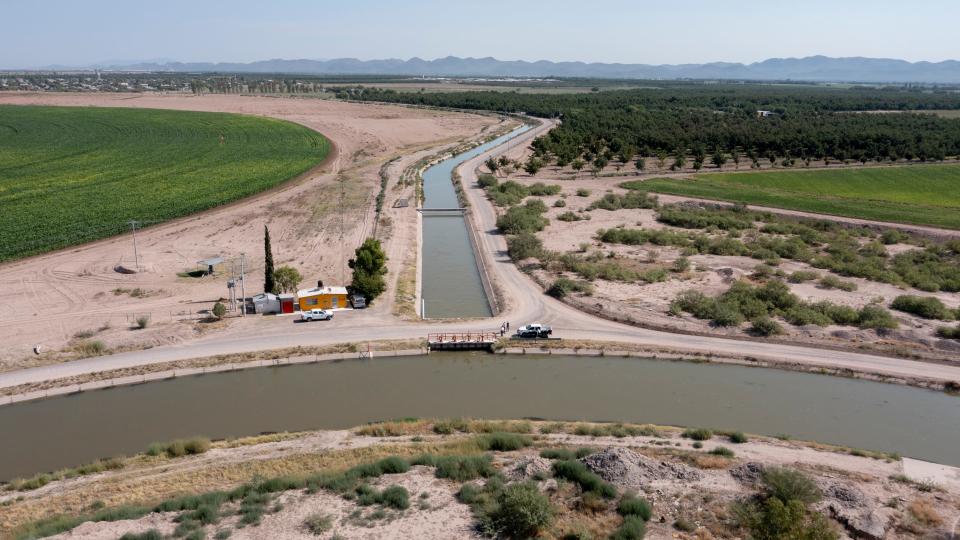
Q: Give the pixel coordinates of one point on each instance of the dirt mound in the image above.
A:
(624, 467)
(748, 473)
(527, 468)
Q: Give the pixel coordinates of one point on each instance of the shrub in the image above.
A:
(773, 519)
(523, 511)
(802, 276)
(875, 317)
(765, 326)
(722, 451)
(737, 437)
(633, 528)
(179, 447)
(559, 203)
(632, 200)
(578, 473)
(893, 236)
(524, 246)
(463, 468)
(804, 314)
(926, 307)
(788, 484)
(219, 310)
(564, 286)
(448, 427)
(503, 442)
(573, 216)
(947, 332)
(583, 192)
(142, 322)
(152, 534)
(681, 264)
(631, 505)
(525, 218)
(90, 348)
(698, 445)
(395, 497)
(699, 434)
(558, 453)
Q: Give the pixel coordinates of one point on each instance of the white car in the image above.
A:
(316, 315)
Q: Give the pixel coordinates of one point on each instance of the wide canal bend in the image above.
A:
(70, 430)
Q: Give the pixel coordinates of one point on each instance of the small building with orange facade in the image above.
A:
(323, 298)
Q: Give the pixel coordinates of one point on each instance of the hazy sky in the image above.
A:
(43, 32)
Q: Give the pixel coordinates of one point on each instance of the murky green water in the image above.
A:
(451, 280)
(69, 430)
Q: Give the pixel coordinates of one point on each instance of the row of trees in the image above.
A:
(809, 122)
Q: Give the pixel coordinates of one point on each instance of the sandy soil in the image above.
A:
(647, 304)
(50, 299)
(865, 493)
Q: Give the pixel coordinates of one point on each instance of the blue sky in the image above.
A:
(43, 32)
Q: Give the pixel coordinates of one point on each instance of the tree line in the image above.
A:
(720, 121)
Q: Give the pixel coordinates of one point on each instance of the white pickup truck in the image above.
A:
(316, 315)
(535, 330)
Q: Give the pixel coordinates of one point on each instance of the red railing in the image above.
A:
(463, 337)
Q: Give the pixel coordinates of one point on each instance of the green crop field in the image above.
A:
(920, 195)
(70, 175)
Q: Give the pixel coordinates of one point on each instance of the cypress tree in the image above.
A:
(268, 283)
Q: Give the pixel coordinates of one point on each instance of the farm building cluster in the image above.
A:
(319, 297)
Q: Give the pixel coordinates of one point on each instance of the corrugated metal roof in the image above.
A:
(322, 290)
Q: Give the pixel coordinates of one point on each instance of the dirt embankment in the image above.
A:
(73, 298)
(691, 481)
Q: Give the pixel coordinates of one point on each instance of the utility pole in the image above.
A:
(133, 230)
(243, 291)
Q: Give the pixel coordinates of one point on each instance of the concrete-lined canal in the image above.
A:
(69, 430)
(451, 285)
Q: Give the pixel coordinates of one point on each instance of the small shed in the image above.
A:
(323, 298)
(288, 302)
(211, 265)
(266, 303)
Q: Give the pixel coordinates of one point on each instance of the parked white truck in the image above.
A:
(535, 330)
(316, 315)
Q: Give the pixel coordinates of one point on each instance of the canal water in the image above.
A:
(70, 430)
(451, 286)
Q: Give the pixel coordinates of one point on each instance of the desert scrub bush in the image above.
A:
(684, 525)
(462, 468)
(318, 523)
(573, 216)
(949, 332)
(833, 282)
(142, 322)
(803, 276)
(631, 505)
(926, 307)
(90, 348)
(539, 189)
(680, 265)
(737, 437)
(875, 317)
(448, 427)
(583, 192)
(503, 442)
(395, 496)
(564, 454)
(150, 534)
(722, 451)
(765, 326)
(559, 203)
(179, 447)
(578, 473)
(523, 218)
(564, 286)
(789, 484)
(782, 509)
(525, 245)
(632, 528)
(697, 434)
(522, 511)
(631, 200)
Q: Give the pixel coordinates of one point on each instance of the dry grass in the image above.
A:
(708, 461)
(924, 511)
(405, 299)
(152, 485)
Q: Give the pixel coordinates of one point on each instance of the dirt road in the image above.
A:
(524, 303)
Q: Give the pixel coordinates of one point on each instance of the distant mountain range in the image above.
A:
(812, 68)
